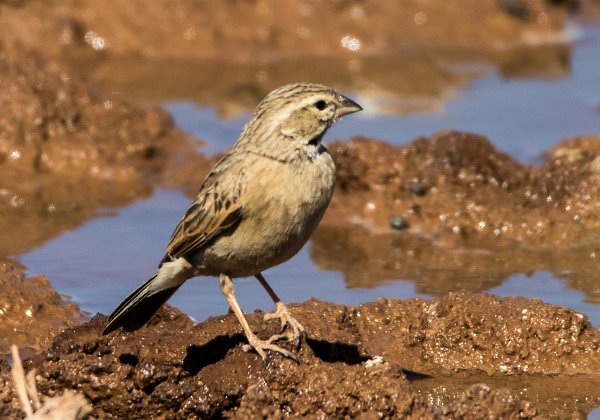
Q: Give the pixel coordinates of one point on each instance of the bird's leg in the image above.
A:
(259, 345)
(282, 313)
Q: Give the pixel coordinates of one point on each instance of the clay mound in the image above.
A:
(66, 151)
(457, 188)
(176, 368)
(31, 311)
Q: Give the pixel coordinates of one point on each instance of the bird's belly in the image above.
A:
(277, 223)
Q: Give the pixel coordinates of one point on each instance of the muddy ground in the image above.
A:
(31, 311)
(193, 29)
(457, 188)
(229, 55)
(70, 151)
(175, 368)
(67, 151)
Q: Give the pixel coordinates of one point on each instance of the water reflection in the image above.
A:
(404, 82)
(101, 262)
(367, 260)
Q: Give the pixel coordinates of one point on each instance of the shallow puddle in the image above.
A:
(102, 261)
(555, 394)
(522, 113)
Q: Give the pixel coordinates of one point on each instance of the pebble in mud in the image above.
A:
(467, 180)
(418, 189)
(399, 223)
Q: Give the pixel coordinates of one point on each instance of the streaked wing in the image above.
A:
(215, 210)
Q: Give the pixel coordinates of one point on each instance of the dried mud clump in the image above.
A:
(455, 187)
(31, 312)
(355, 361)
(65, 150)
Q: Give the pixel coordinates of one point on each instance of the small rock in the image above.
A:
(399, 223)
(376, 360)
(595, 165)
(418, 189)
(517, 8)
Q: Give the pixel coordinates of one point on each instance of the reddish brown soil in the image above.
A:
(455, 188)
(231, 54)
(195, 29)
(174, 368)
(31, 312)
(66, 151)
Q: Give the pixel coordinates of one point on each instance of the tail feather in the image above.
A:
(137, 309)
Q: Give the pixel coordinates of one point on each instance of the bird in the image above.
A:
(255, 209)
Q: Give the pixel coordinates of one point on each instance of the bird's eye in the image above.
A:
(320, 105)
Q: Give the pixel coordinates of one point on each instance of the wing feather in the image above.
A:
(216, 209)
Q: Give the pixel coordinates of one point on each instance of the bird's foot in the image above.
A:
(260, 346)
(286, 319)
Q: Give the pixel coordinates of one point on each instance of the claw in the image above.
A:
(283, 314)
(254, 342)
(261, 345)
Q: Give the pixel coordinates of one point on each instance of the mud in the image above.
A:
(456, 189)
(230, 55)
(67, 151)
(174, 368)
(32, 313)
(262, 30)
(367, 260)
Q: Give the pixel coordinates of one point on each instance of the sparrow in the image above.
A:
(255, 209)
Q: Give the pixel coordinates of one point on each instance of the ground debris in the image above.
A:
(69, 405)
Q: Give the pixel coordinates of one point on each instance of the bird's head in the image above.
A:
(300, 113)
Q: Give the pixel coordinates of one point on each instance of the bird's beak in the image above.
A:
(347, 106)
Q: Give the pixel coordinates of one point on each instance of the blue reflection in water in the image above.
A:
(543, 285)
(102, 262)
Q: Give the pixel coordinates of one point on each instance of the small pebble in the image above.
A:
(418, 189)
(398, 222)
(377, 360)
(517, 8)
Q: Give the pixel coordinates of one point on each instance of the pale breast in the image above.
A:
(282, 205)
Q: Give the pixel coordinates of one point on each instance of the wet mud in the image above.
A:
(456, 189)
(452, 191)
(175, 368)
(202, 29)
(31, 311)
(70, 152)
(230, 55)
(67, 151)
